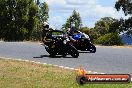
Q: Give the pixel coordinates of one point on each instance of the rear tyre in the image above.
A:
(93, 49)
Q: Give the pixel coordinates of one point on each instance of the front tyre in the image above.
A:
(73, 52)
(51, 52)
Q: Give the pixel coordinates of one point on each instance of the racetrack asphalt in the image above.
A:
(105, 60)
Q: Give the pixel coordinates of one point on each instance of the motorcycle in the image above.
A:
(84, 43)
(61, 46)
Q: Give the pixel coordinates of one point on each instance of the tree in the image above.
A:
(73, 19)
(42, 17)
(32, 22)
(85, 30)
(126, 6)
(109, 39)
(17, 19)
(105, 25)
(20, 19)
(107, 31)
(44, 9)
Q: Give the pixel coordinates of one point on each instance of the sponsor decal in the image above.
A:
(83, 78)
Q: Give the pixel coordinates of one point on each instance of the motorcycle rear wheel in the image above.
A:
(93, 49)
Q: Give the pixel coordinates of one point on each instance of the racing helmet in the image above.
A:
(46, 25)
(68, 30)
(72, 25)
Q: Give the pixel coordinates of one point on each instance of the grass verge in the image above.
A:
(20, 74)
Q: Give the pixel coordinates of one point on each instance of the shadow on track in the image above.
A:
(42, 56)
(84, 52)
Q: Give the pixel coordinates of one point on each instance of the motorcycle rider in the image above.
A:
(46, 34)
(70, 32)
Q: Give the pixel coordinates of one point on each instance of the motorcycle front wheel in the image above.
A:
(51, 52)
(73, 52)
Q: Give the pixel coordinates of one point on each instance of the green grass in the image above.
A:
(19, 74)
